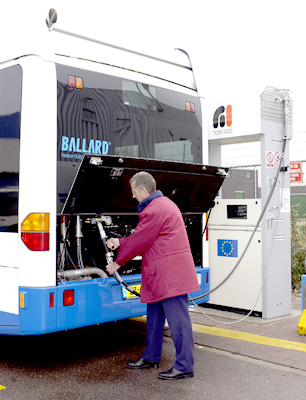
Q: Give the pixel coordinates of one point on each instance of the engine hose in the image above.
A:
(80, 272)
(253, 233)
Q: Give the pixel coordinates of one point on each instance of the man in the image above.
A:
(168, 275)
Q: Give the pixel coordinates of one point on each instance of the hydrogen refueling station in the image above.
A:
(249, 239)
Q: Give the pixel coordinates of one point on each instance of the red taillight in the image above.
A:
(35, 231)
(51, 300)
(207, 277)
(36, 241)
(69, 297)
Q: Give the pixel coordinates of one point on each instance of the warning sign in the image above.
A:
(296, 174)
(272, 158)
(277, 156)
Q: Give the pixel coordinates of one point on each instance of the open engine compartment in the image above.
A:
(100, 200)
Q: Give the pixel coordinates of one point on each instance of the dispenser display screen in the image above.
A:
(237, 211)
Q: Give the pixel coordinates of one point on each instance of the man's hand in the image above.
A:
(113, 243)
(111, 268)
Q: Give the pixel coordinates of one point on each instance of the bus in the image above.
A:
(73, 129)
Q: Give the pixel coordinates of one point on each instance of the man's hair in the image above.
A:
(144, 180)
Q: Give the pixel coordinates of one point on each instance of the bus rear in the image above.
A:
(72, 132)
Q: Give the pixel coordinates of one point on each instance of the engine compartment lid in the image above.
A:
(101, 185)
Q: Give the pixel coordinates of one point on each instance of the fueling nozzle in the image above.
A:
(108, 253)
(109, 258)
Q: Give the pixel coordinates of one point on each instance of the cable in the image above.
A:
(223, 322)
(65, 252)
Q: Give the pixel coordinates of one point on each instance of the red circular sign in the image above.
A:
(270, 157)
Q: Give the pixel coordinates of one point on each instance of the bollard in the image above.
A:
(301, 328)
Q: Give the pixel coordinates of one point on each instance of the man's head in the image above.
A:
(142, 185)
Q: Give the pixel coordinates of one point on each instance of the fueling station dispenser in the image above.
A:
(256, 229)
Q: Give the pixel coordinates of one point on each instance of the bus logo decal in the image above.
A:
(78, 145)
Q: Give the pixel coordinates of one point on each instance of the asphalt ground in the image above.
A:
(253, 359)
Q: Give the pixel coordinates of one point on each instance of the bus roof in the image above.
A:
(53, 43)
(175, 66)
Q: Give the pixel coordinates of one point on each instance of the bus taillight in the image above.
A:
(35, 231)
(68, 299)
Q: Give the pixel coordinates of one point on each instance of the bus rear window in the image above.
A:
(140, 95)
(117, 116)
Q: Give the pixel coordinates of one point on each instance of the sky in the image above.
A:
(237, 47)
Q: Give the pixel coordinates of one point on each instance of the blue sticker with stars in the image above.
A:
(227, 248)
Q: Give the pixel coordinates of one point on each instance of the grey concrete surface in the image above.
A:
(89, 364)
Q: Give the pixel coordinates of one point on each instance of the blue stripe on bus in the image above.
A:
(8, 319)
(96, 301)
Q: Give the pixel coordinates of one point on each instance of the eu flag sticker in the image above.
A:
(227, 248)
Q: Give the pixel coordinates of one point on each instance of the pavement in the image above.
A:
(274, 341)
(253, 359)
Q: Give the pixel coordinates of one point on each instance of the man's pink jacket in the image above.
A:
(167, 268)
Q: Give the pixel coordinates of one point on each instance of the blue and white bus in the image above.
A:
(63, 111)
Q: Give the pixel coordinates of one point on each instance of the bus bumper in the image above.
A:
(90, 302)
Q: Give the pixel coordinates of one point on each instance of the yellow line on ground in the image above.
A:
(249, 337)
(244, 336)
(2, 387)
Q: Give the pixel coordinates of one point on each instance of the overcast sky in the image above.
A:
(237, 47)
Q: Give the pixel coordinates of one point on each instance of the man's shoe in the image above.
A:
(175, 374)
(142, 363)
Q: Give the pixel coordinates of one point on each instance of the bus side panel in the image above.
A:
(10, 108)
(8, 274)
(8, 290)
(8, 319)
(37, 186)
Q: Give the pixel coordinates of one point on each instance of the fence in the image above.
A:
(244, 182)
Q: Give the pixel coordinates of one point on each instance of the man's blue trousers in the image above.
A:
(175, 309)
